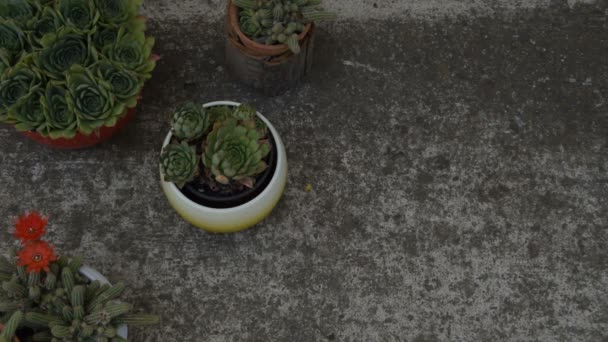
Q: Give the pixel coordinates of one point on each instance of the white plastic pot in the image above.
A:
(93, 275)
(233, 219)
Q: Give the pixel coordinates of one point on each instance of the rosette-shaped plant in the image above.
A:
(27, 112)
(117, 11)
(90, 58)
(179, 163)
(78, 13)
(61, 51)
(60, 120)
(190, 122)
(15, 85)
(92, 100)
(234, 152)
(16, 9)
(132, 50)
(47, 22)
(125, 84)
(12, 38)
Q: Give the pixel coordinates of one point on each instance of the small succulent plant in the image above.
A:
(229, 143)
(69, 66)
(235, 152)
(179, 163)
(190, 122)
(273, 22)
(47, 294)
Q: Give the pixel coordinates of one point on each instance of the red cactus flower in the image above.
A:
(36, 255)
(30, 227)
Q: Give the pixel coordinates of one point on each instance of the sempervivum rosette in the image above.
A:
(179, 163)
(235, 151)
(71, 66)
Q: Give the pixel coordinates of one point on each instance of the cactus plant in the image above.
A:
(48, 294)
(51, 49)
(273, 22)
(232, 151)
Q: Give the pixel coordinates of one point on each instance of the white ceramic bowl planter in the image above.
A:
(228, 220)
(93, 275)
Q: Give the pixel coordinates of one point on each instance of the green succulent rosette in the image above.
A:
(117, 11)
(219, 113)
(12, 38)
(27, 113)
(92, 100)
(18, 83)
(19, 10)
(78, 13)
(190, 122)
(47, 22)
(234, 152)
(63, 50)
(104, 36)
(179, 163)
(60, 118)
(125, 84)
(133, 50)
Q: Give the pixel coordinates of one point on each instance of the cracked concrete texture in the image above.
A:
(459, 188)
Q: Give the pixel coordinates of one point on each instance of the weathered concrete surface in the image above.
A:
(459, 188)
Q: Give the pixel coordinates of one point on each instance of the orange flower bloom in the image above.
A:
(30, 227)
(36, 255)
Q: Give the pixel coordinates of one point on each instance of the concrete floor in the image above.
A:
(458, 158)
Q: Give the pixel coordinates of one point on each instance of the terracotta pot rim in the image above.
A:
(270, 50)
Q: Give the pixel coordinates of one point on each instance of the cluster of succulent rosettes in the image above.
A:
(69, 66)
(232, 142)
(273, 22)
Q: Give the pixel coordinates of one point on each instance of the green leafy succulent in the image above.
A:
(27, 112)
(16, 9)
(105, 35)
(235, 152)
(12, 39)
(190, 122)
(78, 13)
(116, 11)
(179, 163)
(125, 84)
(47, 22)
(61, 51)
(60, 119)
(92, 100)
(16, 84)
(132, 50)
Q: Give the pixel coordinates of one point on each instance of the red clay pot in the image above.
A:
(257, 48)
(80, 140)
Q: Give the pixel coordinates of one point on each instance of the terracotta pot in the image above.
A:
(257, 48)
(15, 339)
(80, 140)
